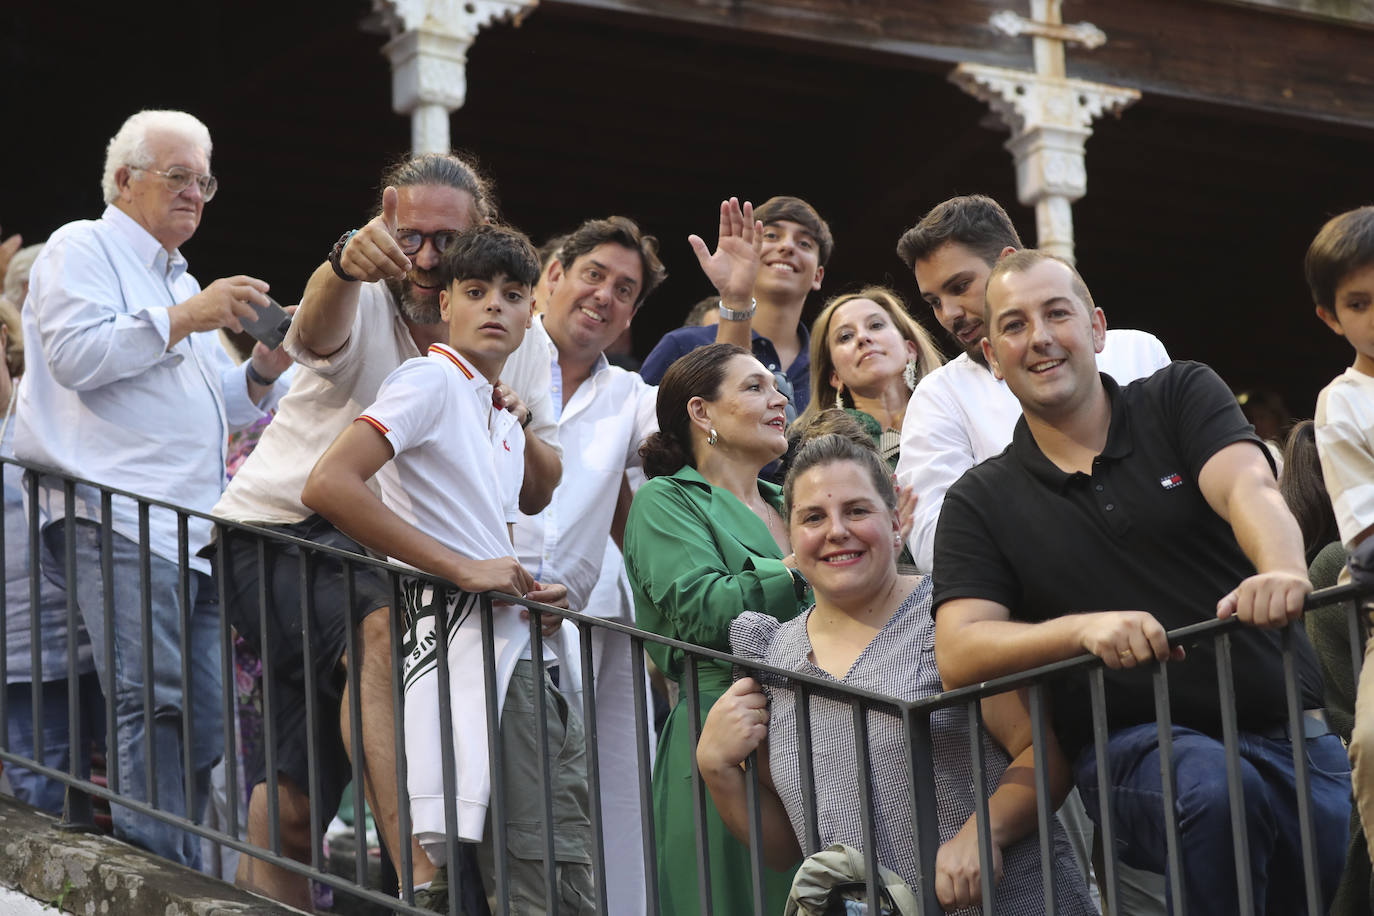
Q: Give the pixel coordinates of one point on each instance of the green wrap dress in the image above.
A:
(697, 558)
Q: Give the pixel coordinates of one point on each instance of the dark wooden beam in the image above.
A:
(1244, 56)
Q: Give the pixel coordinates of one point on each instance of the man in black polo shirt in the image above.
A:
(1157, 497)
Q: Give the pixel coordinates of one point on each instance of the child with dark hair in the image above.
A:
(1340, 273)
(450, 465)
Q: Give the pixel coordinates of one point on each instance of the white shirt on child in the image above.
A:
(330, 391)
(1345, 443)
(456, 473)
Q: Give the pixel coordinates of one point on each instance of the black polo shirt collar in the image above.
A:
(1119, 443)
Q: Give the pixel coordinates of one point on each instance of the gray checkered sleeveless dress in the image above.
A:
(900, 662)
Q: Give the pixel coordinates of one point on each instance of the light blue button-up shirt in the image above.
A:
(103, 396)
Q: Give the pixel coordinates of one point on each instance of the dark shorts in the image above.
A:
(329, 620)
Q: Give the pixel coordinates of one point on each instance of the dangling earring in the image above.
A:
(909, 374)
(712, 439)
(839, 397)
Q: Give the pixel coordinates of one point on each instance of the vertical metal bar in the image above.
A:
(1044, 810)
(751, 800)
(35, 633)
(5, 467)
(864, 772)
(541, 714)
(692, 694)
(978, 764)
(445, 726)
(269, 726)
(398, 721)
(355, 731)
(76, 805)
(1301, 775)
(227, 683)
(498, 780)
(920, 755)
(1097, 693)
(643, 725)
(806, 768)
(1230, 733)
(1165, 723)
(113, 775)
(589, 726)
(145, 575)
(312, 709)
(1355, 633)
(184, 642)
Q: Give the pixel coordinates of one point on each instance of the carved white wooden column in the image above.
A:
(429, 52)
(1049, 116)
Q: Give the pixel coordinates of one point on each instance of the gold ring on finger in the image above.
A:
(1127, 653)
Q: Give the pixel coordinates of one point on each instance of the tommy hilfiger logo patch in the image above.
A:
(1170, 481)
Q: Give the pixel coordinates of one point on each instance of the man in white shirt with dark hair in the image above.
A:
(601, 276)
(128, 386)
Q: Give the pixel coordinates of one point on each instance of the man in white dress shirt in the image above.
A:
(600, 278)
(128, 386)
(370, 306)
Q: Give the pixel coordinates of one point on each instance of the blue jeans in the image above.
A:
(1204, 814)
(33, 788)
(134, 767)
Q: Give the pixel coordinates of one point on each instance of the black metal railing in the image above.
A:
(913, 718)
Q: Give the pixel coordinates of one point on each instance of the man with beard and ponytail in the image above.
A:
(372, 305)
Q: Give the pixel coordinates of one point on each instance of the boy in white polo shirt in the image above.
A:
(449, 464)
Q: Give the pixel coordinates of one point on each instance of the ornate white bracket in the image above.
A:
(1050, 118)
(428, 53)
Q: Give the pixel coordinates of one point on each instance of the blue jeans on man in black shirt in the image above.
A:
(1204, 818)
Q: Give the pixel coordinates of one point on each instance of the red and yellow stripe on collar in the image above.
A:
(452, 357)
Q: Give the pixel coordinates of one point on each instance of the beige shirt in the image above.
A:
(329, 393)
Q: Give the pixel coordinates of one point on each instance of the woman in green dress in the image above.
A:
(867, 354)
(704, 542)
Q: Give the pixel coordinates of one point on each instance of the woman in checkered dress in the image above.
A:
(872, 629)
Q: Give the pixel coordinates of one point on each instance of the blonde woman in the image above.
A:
(867, 354)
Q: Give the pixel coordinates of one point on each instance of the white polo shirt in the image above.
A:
(329, 392)
(961, 415)
(459, 461)
(456, 476)
(601, 428)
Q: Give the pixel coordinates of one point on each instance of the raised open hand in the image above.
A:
(735, 263)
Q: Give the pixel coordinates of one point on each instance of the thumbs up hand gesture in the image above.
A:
(373, 253)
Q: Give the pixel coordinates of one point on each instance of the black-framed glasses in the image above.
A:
(412, 240)
(179, 179)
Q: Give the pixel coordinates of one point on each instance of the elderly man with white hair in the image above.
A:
(128, 386)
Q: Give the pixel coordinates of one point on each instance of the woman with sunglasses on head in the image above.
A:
(704, 542)
(871, 628)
